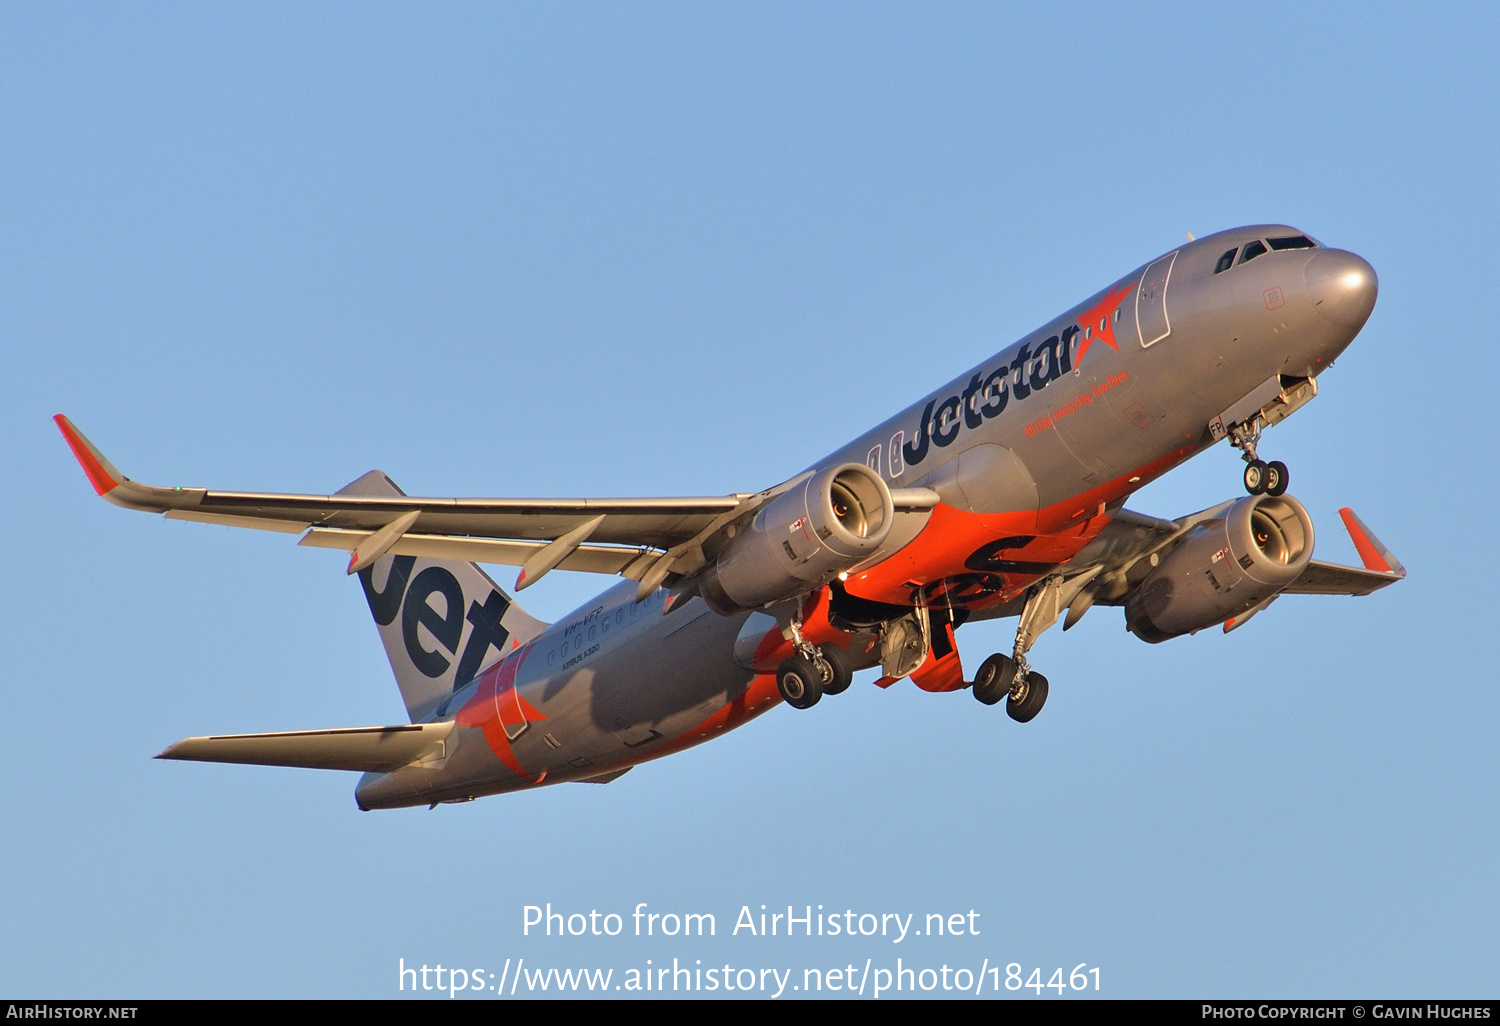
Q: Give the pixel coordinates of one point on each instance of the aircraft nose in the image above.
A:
(1342, 286)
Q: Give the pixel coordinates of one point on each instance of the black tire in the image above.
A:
(992, 681)
(799, 682)
(1033, 695)
(1276, 478)
(1255, 477)
(841, 674)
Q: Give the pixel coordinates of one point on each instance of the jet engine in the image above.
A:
(802, 539)
(1223, 568)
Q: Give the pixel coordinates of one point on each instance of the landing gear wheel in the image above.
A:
(799, 682)
(992, 682)
(1276, 478)
(1027, 698)
(1255, 477)
(840, 674)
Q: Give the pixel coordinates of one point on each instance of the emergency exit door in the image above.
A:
(1151, 302)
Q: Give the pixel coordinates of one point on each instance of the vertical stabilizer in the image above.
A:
(442, 621)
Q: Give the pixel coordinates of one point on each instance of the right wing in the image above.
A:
(647, 540)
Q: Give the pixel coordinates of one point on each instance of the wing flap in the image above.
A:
(599, 559)
(363, 749)
(226, 520)
(659, 522)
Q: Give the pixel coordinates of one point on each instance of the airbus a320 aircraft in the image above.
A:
(999, 494)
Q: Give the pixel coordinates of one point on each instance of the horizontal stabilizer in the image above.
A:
(605, 778)
(363, 749)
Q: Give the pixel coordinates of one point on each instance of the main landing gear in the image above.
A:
(1260, 477)
(815, 671)
(1010, 677)
(1024, 691)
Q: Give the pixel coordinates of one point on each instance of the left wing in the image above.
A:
(1381, 567)
(1123, 549)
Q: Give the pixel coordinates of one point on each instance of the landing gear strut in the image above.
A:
(815, 671)
(1011, 677)
(1260, 477)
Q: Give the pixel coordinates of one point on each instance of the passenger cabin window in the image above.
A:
(1252, 250)
(1225, 262)
(1292, 242)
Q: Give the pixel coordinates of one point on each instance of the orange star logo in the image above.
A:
(1098, 324)
(500, 711)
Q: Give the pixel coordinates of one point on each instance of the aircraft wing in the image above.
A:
(1381, 567)
(644, 539)
(1122, 549)
(1322, 578)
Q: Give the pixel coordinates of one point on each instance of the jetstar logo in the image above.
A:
(987, 395)
(1098, 324)
(413, 601)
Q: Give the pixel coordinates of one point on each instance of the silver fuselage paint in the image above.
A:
(617, 682)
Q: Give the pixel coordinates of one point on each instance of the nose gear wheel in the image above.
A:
(1261, 478)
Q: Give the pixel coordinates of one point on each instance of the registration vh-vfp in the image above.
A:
(1000, 494)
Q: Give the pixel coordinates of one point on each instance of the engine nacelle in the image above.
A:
(1222, 568)
(802, 539)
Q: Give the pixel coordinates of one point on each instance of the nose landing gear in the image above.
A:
(1260, 477)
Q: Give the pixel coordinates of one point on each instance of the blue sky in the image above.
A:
(636, 250)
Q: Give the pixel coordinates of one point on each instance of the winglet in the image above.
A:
(102, 473)
(1371, 551)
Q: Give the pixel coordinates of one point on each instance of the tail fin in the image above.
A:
(442, 622)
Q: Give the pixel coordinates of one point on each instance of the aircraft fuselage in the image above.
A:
(1030, 451)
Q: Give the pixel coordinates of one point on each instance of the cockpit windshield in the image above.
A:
(1292, 242)
(1258, 247)
(1251, 251)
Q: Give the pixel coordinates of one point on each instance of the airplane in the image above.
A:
(1000, 494)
